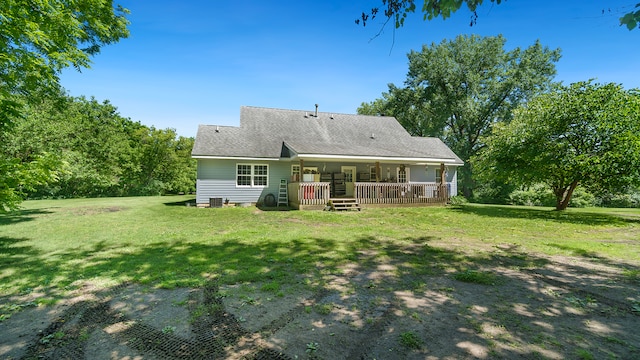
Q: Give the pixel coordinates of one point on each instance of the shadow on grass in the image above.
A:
(12, 253)
(578, 252)
(189, 202)
(274, 208)
(394, 286)
(19, 216)
(582, 217)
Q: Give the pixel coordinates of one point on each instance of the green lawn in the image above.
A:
(158, 241)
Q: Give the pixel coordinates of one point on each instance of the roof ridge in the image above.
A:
(215, 125)
(311, 111)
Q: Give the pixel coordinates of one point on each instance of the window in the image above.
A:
(439, 176)
(372, 173)
(402, 176)
(260, 175)
(243, 175)
(402, 173)
(251, 175)
(295, 172)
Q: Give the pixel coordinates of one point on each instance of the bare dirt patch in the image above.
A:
(556, 309)
(91, 210)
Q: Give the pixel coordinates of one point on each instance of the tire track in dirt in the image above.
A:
(215, 332)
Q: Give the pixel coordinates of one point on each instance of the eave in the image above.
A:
(246, 158)
(381, 159)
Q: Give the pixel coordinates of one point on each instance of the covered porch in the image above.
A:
(313, 185)
(316, 195)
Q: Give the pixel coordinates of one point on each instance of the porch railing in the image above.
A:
(309, 193)
(401, 193)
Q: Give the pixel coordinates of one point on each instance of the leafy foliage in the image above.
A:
(97, 152)
(163, 163)
(585, 133)
(17, 178)
(457, 89)
(541, 195)
(431, 9)
(399, 9)
(632, 18)
(629, 199)
(40, 38)
(37, 40)
(536, 195)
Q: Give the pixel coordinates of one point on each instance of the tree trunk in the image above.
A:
(563, 196)
(467, 181)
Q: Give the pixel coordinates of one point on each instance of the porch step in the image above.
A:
(344, 204)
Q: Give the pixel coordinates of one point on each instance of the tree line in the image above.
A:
(516, 130)
(520, 134)
(77, 147)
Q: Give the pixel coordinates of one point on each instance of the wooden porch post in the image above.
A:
(377, 171)
(301, 170)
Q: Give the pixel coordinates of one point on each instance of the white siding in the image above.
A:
(419, 174)
(217, 179)
(452, 178)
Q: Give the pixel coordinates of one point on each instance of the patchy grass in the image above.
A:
(477, 277)
(562, 284)
(158, 241)
(410, 340)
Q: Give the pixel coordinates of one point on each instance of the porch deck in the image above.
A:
(316, 195)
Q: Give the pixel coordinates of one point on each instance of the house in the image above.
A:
(318, 156)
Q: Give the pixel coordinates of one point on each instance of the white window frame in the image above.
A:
(372, 173)
(296, 174)
(407, 173)
(253, 175)
(439, 176)
(295, 169)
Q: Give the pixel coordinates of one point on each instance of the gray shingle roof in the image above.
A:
(263, 131)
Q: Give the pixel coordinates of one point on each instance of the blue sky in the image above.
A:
(196, 62)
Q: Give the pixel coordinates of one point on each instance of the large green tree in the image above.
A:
(583, 134)
(163, 163)
(397, 10)
(457, 89)
(38, 39)
(90, 139)
(98, 152)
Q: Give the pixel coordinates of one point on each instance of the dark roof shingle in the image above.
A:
(263, 131)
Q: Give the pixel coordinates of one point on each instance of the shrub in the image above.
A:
(492, 193)
(458, 200)
(630, 199)
(536, 195)
(541, 195)
(582, 198)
